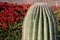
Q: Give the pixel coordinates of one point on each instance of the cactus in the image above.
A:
(40, 23)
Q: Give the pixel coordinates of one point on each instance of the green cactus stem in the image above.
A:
(40, 23)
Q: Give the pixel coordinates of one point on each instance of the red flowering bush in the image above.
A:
(11, 19)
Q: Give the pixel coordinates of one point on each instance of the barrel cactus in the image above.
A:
(40, 23)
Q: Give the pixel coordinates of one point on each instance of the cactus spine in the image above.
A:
(40, 23)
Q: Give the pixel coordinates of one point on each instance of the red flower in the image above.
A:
(0, 18)
(20, 6)
(54, 7)
(11, 14)
(3, 20)
(4, 25)
(11, 9)
(0, 15)
(15, 13)
(6, 18)
(11, 20)
(17, 18)
(17, 8)
(24, 13)
(8, 5)
(26, 6)
(1, 3)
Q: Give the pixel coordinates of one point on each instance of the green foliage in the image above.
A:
(14, 33)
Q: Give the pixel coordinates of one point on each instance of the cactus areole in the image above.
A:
(40, 23)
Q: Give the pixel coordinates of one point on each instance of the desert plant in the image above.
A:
(40, 23)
